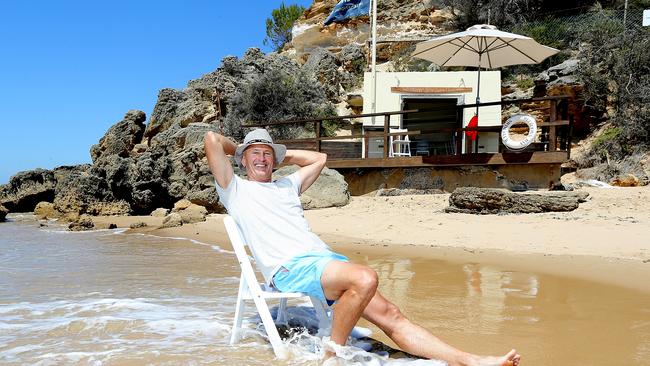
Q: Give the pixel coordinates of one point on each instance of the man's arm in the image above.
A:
(216, 149)
(311, 163)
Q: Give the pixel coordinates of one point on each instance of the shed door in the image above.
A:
(440, 114)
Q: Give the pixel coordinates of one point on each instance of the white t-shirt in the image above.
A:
(271, 220)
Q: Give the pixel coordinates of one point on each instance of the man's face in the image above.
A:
(258, 161)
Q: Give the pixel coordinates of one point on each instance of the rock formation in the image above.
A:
(395, 20)
(329, 190)
(26, 189)
(3, 213)
(492, 201)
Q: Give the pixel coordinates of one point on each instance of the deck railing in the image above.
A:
(558, 116)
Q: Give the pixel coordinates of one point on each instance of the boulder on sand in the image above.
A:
(491, 201)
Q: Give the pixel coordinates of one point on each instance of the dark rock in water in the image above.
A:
(492, 201)
(122, 137)
(83, 223)
(26, 189)
(3, 213)
(137, 225)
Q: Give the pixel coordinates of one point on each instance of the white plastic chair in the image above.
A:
(251, 289)
(400, 145)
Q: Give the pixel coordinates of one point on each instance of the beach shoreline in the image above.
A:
(605, 240)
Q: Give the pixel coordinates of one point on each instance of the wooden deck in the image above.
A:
(345, 152)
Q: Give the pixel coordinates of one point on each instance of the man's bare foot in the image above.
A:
(512, 358)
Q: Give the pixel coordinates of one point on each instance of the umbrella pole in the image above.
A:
(478, 99)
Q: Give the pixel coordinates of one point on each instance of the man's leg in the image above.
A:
(416, 340)
(353, 286)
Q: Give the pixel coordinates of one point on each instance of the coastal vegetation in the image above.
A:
(277, 95)
(278, 26)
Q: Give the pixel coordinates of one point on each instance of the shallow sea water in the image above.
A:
(107, 298)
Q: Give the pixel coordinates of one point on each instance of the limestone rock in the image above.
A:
(83, 223)
(189, 211)
(180, 107)
(353, 58)
(172, 220)
(46, 210)
(492, 201)
(397, 19)
(564, 72)
(403, 192)
(329, 190)
(3, 213)
(80, 189)
(193, 213)
(26, 189)
(207, 198)
(137, 225)
(114, 208)
(122, 137)
(160, 212)
(626, 180)
(323, 64)
(181, 205)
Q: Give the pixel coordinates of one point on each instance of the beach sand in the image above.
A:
(607, 239)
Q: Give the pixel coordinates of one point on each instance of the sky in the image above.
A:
(69, 70)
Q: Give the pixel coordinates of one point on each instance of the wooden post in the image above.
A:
(318, 141)
(552, 137)
(386, 129)
(459, 141)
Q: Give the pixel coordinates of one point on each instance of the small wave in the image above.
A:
(194, 241)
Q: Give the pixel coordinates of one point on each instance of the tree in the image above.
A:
(278, 27)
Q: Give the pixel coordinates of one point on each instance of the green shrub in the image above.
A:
(524, 82)
(277, 95)
(278, 27)
(615, 70)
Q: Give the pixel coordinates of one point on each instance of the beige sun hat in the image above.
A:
(260, 136)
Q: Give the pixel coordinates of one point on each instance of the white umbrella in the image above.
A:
(482, 45)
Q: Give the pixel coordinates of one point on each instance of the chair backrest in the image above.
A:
(239, 246)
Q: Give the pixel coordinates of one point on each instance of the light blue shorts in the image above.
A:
(302, 273)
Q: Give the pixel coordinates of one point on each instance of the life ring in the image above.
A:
(530, 137)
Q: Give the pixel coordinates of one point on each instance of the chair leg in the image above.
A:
(269, 326)
(324, 321)
(240, 307)
(281, 317)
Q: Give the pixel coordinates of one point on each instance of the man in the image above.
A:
(292, 258)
